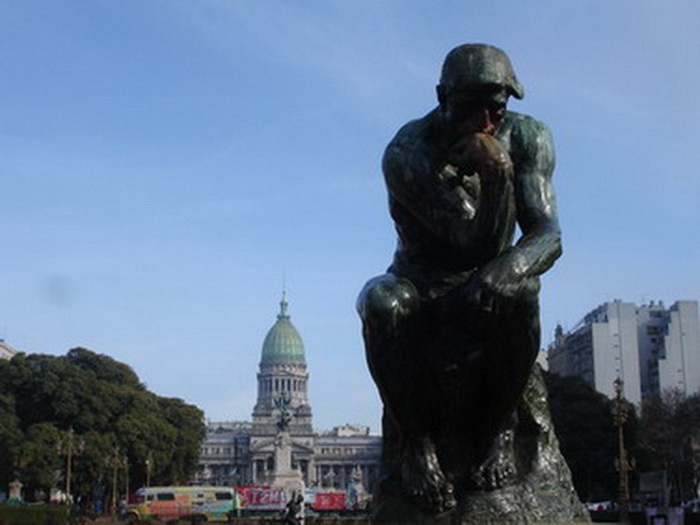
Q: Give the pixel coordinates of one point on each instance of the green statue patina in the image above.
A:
(452, 329)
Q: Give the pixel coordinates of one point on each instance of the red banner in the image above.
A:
(262, 498)
(329, 501)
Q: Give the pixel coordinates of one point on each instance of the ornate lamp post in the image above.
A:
(126, 478)
(114, 461)
(69, 446)
(624, 464)
(149, 466)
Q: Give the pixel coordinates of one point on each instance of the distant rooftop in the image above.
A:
(6, 351)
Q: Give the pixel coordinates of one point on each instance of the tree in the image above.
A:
(587, 435)
(188, 439)
(36, 459)
(10, 433)
(670, 431)
(104, 367)
(111, 414)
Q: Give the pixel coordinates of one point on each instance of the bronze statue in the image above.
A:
(452, 329)
(285, 416)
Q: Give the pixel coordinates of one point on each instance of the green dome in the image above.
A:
(283, 344)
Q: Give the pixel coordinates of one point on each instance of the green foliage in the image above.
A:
(36, 457)
(670, 440)
(115, 422)
(103, 367)
(10, 433)
(666, 437)
(587, 435)
(34, 515)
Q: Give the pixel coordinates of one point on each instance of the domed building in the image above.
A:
(242, 453)
(283, 377)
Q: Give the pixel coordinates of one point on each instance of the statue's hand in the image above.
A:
(485, 304)
(460, 190)
(491, 297)
(479, 153)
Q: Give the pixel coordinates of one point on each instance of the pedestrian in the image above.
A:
(294, 515)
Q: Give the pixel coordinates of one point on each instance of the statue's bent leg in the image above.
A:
(390, 310)
(486, 358)
(510, 365)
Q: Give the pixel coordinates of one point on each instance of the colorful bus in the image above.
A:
(194, 503)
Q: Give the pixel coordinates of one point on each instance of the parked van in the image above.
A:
(194, 503)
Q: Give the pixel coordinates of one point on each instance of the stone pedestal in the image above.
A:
(15, 490)
(541, 491)
(284, 476)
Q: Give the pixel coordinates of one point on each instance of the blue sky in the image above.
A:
(168, 166)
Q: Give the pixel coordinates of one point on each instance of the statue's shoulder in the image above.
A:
(412, 151)
(522, 126)
(416, 133)
(525, 136)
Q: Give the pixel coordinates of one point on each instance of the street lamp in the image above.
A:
(114, 461)
(69, 446)
(624, 464)
(149, 466)
(126, 478)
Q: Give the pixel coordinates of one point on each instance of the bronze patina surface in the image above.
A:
(452, 329)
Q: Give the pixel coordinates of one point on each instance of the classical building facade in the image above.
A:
(650, 347)
(236, 453)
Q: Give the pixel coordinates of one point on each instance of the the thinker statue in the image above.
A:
(452, 329)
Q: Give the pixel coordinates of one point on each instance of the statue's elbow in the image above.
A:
(557, 248)
(558, 245)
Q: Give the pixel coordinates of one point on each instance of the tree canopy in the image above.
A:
(670, 441)
(587, 435)
(94, 408)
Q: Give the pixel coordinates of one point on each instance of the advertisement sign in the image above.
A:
(262, 498)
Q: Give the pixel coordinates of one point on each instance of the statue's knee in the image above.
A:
(387, 299)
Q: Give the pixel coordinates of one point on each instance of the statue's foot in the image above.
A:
(498, 470)
(423, 481)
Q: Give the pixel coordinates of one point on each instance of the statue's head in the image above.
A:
(474, 87)
(478, 66)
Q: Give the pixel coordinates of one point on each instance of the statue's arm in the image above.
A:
(435, 195)
(540, 244)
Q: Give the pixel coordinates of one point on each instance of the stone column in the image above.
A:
(284, 476)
